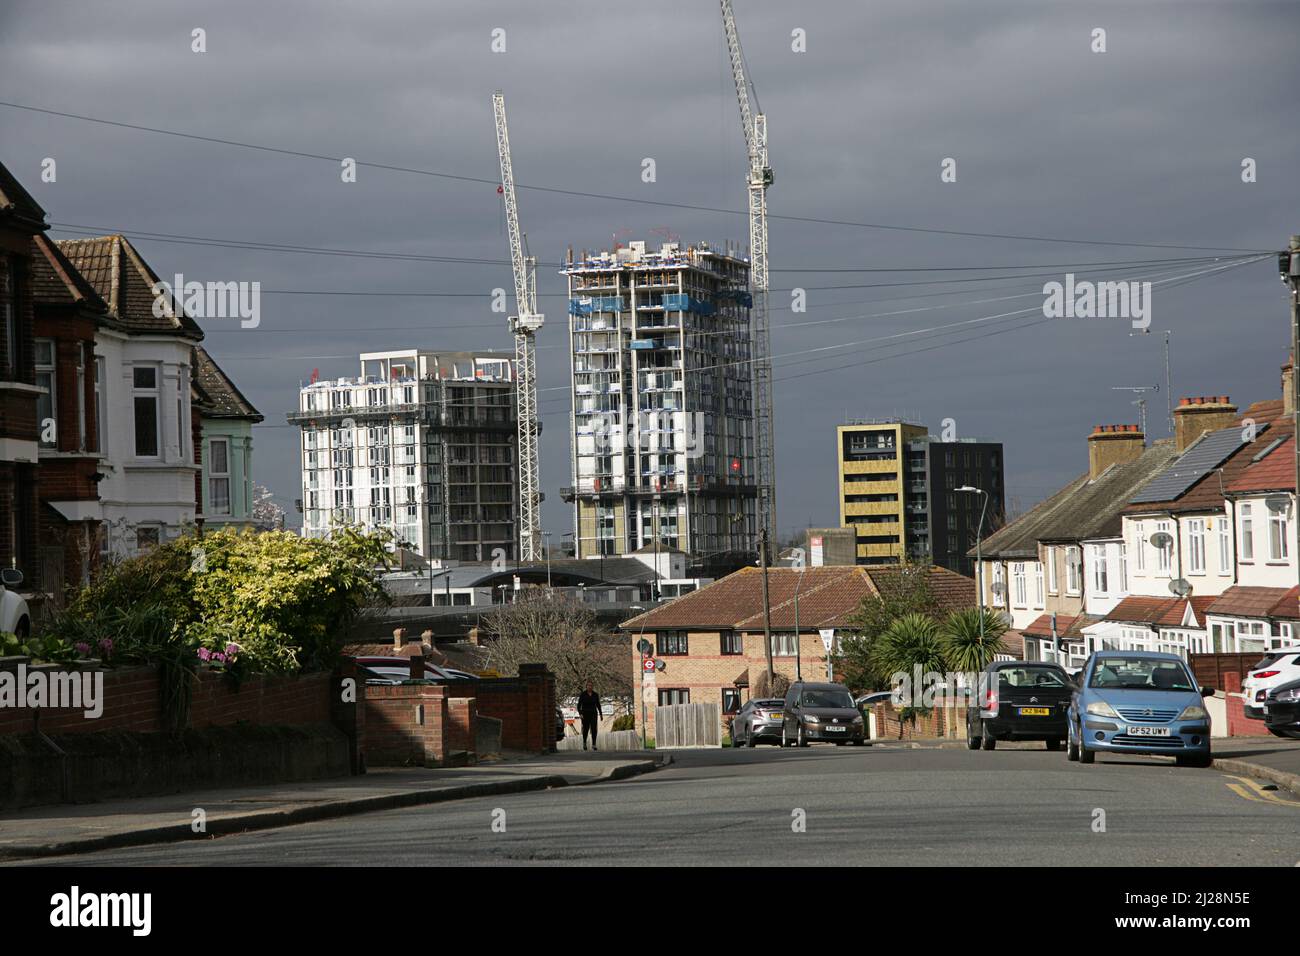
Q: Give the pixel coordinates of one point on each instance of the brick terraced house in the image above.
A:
(711, 641)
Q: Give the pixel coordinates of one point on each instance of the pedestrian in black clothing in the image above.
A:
(589, 711)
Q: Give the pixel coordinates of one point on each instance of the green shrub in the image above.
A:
(626, 722)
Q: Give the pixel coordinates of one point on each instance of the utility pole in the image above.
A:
(767, 606)
(1288, 264)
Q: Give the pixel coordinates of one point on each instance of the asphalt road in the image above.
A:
(858, 806)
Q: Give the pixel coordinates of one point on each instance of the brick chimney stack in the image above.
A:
(1195, 416)
(1113, 445)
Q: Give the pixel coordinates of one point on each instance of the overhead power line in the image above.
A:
(493, 181)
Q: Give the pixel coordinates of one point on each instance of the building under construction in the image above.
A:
(422, 444)
(663, 408)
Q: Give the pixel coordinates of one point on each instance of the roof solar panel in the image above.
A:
(1211, 451)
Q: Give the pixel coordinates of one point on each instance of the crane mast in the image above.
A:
(754, 126)
(524, 324)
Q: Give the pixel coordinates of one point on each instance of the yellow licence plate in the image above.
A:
(1035, 711)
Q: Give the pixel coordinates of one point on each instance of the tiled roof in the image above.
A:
(216, 394)
(56, 280)
(17, 201)
(1068, 626)
(124, 280)
(1082, 509)
(1242, 601)
(1275, 471)
(1160, 611)
(828, 597)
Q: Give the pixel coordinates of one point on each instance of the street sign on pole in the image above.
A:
(828, 641)
(648, 689)
(648, 665)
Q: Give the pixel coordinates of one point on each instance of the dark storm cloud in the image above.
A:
(1142, 143)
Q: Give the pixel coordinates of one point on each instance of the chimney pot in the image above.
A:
(399, 635)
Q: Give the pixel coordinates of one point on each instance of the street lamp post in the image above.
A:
(979, 567)
(640, 645)
(798, 655)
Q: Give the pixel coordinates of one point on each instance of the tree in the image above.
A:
(965, 647)
(911, 641)
(900, 591)
(547, 627)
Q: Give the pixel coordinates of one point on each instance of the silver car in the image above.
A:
(758, 719)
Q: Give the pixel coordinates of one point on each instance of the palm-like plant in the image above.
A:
(908, 641)
(967, 646)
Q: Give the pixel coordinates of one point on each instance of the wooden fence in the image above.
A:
(1213, 670)
(687, 725)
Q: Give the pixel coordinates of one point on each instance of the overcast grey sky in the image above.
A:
(1140, 144)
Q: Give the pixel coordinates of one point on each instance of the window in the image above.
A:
(674, 695)
(1051, 571)
(1038, 585)
(1019, 589)
(1073, 584)
(1100, 581)
(101, 406)
(1123, 568)
(1196, 545)
(731, 643)
(730, 700)
(671, 643)
(1277, 534)
(46, 403)
(999, 589)
(147, 538)
(783, 645)
(81, 397)
(1141, 541)
(1247, 534)
(144, 393)
(1165, 555)
(219, 476)
(1225, 547)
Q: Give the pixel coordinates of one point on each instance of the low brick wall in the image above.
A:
(525, 705)
(939, 722)
(131, 702)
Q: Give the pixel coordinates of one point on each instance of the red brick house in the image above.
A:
(21, 218)
(68, 313)
(711, 640)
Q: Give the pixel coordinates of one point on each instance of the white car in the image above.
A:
(14, 616)
(1277, 667)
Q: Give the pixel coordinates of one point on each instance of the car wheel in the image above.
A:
(785, 741)
(1053, 744)
(987, 740)
(972, 739)
(803, 741)
(1071, 750)
(749, 739)
(1085, 755)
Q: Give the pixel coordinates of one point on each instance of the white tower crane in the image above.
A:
(754, 126)
(524, 325)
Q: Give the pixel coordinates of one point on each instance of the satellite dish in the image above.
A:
(1006, 618)
(1278, 503)
(998, 588)
(1180, 586)
(1161, 539)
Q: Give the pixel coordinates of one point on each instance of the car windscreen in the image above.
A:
(1267, 660)
(826, 698)
(1032, 677)
(1139, 673)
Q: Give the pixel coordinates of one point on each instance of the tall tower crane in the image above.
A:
(524, 324)
(759, 177)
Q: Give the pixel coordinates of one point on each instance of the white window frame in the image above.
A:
(1052, 584)
(1279, 528)
(1140, 542)
(101, 404)
(1246, 554)
(1165, 555)
(1019, 585)
(1100, 573)
(1225, 545)
(1038, 585)
(50, 369)
(1073, 571)
(1196, 546)
(155, 394)
(215, 477)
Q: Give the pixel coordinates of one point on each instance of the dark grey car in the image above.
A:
(757, 720)
(823, 712)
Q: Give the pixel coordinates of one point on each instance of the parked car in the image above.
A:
(559, 724)
(14, 616)
(1276, 668)
(1139, 702)
(822, 712)
(757, 720)
(1022, 700)
(871, 700)
(1282, 710)
(394, 670)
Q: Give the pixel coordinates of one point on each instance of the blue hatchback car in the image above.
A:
(1139, 702)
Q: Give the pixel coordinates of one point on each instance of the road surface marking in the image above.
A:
(1253, 790)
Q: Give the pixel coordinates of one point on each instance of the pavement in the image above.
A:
(53, 831)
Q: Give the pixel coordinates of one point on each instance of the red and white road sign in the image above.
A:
(648, 665)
